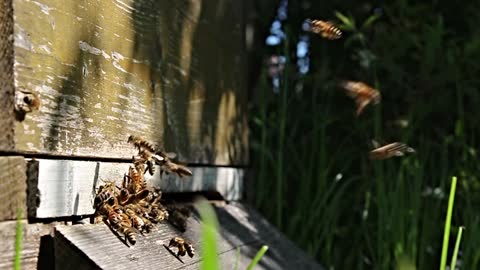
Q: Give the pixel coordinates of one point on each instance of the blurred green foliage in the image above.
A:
(309, 151)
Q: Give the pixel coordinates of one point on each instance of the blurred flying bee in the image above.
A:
(178, 216)
(183, 246)
(326, 29)
(362, 93)
(395, 149)
(146, 153)
(25, 102)
(168, 166)
(140, 143)
(150, 156)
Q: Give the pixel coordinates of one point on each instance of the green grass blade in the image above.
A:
(448, 221)
(257, 257)
(457, 246)
(18, 240)
(237, 258)
(209, 235)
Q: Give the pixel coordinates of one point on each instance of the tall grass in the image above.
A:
(209, 231)
(313, 177)
(448, 222)
(18, 241)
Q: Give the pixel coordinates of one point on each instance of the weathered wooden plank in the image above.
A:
(13, 187)
(241, 227)
(7, 120)
(37, 240)
(171, 71)
(68, 188)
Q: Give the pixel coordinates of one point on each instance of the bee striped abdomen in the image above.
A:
(325, 29)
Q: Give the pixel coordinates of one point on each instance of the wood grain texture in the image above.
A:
(68, 188)
(241, 227)
(171, 71)
(13, 187)
(7, 90)
(37, 240)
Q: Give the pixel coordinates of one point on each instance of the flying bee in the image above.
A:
(362, 93)
(183, 246)
(150, 159)
(25, 102)
(168, 166)
(140, 143)
(395, 149)
(326, 29)
(171, 167)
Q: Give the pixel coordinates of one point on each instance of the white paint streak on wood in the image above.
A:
(44, 8)
(67, 187)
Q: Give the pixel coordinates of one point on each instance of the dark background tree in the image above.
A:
(312, 173)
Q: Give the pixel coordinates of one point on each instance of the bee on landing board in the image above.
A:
(326, 29)
(395, 149)
(362, 93)
(183, 246)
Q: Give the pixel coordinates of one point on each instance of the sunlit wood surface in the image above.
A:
(171, 71)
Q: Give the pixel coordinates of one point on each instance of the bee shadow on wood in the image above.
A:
(173, 253)
(124, 239)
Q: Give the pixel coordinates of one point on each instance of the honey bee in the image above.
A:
(126, 229)
(183, 246)
(362, 93)
(146, 153)
(150, 156)
(326, 29)
(137, 222)
(134, 180)
(158, 213)
(168, 166)
(140, 143)
(25, 102)
(105, 192)
(121, 223)
(395, 149)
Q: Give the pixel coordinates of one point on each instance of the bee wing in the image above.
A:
(390, 150)
(361, 104)
(171, 155)
(375, 144)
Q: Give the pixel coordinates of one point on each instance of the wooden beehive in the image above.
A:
(171, 71)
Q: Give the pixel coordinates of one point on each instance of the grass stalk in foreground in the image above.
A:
(257, 257)
(18, 240)
(209, 235)
(457, 246)
(448, 221)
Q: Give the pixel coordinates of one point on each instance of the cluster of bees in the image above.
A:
(134, 207)
(362, 93)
